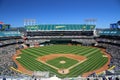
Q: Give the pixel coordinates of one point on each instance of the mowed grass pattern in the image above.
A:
(95, 59)
(68, 62)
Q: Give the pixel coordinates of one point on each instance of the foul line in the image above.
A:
(76, 64)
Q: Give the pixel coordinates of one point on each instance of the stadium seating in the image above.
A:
(60, 27)
(112, 45)
(9, 42)
(9, 33)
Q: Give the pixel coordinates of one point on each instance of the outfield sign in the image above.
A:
(59, 27)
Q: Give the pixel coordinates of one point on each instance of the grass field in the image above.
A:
(68, 62)
(95, 59)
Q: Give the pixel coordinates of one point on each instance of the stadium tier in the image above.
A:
(60, 30)
(9, 33)
(60, 27)
(110, 40)
(10, 41)
(110, 32)
(10, 37)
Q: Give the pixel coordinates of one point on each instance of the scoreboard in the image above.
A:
(115, 25)
(0, 26)
(4, 27)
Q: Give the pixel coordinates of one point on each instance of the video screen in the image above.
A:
(4, 27)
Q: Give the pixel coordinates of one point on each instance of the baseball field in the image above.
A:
(63, 60)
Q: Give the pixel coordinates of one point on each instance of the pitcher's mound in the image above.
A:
(62, 62)
(63, 71)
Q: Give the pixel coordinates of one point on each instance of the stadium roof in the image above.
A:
(60, 27)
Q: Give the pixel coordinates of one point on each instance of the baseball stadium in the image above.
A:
(59, 51)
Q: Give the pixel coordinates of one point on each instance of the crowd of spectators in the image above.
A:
(60, 33)
(105, 40)
(6, 61)
(11, 41)
(112, 46)
(56, 78)
(8, 47)
(85, 42)
(59, 37)
(114, 51)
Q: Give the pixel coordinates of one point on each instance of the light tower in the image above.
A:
(90, 21)
(29, 22)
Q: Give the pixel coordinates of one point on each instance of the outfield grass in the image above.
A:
(94, 61)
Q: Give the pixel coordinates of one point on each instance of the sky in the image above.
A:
(60, 11)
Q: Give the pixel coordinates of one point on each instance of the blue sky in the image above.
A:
(60, 11)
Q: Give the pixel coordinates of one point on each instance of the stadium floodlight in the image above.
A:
(90, 21)
(94, 20)
(29, 22)
(24, 22)
(33, 21)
